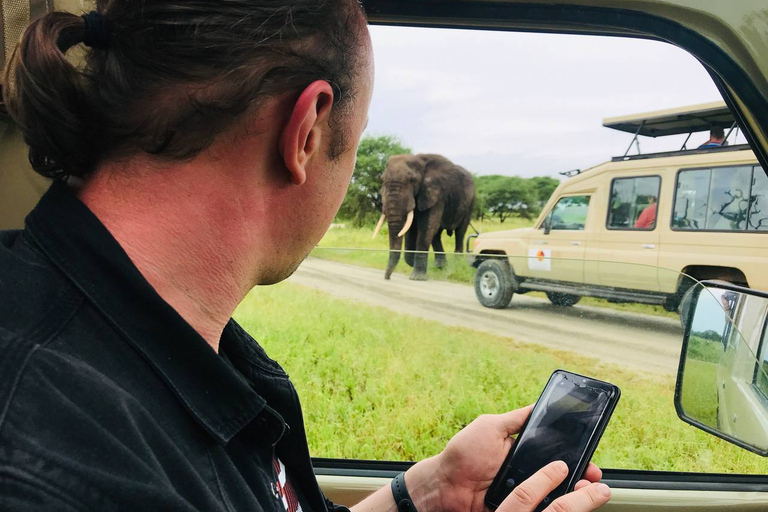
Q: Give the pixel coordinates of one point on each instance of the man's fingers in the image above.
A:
(511, 422)
(526, 496)
(593, 473)
(580, 484)
(587, 498)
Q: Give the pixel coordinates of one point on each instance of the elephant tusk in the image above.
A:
(378, 226)
(408, 222)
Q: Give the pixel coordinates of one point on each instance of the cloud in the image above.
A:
(516, 103)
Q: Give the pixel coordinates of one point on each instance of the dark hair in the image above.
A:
(172, 74)
(717, 132)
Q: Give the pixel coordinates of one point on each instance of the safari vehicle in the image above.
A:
(729, 39)
(699, 212)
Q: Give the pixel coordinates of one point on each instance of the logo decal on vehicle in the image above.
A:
(540, 259)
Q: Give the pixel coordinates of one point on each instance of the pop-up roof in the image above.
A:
(674, 121)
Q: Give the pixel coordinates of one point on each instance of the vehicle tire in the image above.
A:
(672, 303)
(494, 284)
(563, 299)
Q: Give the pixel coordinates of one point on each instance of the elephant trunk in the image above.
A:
(395, 246)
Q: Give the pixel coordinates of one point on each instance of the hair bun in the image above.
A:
(96, 30)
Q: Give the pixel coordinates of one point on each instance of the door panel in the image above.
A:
(348, 490)
(559, 255)
(631, 234)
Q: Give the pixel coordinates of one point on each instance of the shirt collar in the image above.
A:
(217, 396)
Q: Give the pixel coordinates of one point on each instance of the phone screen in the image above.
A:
(562, 426)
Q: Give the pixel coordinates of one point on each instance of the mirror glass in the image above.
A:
(722, 384)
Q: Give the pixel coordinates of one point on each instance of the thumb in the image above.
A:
(511, 422)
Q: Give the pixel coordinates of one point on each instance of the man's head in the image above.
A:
(255, 106)
(172, 74)
(717, 134)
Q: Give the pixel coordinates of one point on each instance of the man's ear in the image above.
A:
(301, 136)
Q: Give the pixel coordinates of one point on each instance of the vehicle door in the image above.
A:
(556, 252)
(631, 234)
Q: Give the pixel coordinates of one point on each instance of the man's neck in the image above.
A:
(182, 241)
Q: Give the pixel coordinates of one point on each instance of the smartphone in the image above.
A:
(566, 424)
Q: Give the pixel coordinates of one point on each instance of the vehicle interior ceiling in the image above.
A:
(652, 460)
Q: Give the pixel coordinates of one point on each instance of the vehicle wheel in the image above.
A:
(563, 299)
(671, 303)
(494, 284)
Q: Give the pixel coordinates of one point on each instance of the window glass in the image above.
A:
(570, 213)
(758, 209)
(389, 365)
(729, 198)
(691, 199)
(633, 203)
(761, 373)
(719, 199)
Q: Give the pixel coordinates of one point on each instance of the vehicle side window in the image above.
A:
(721, 199)
(570, 213)
(633, 203)
(761, 372)
(758, 200)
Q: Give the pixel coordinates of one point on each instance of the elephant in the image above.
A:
(422, 195)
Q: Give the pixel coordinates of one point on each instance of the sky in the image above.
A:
(525, 104)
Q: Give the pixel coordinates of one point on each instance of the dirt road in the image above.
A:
(636, 341)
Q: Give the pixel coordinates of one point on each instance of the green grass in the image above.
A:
(699, 393)
(703, 349)
(356, 246)
(377, 385)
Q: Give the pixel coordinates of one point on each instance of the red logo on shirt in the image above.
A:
(283, 489)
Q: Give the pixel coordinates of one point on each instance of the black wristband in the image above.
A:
(400, 492)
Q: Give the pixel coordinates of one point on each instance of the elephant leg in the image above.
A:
(437, 246)
(410, 244)
(461, 232)
(429, 224)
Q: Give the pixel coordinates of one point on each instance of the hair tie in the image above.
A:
(96, 30)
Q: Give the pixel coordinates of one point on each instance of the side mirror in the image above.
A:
(722, 380)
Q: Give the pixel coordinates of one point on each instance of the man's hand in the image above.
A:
(527, 496)
(468, 464)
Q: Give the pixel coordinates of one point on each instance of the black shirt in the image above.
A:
(109, 400)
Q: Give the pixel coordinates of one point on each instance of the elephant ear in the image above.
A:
(432, 183)
(428, 194)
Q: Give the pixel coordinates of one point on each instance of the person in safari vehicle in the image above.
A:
(203, 150)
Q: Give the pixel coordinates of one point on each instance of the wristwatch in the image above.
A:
(400, 492)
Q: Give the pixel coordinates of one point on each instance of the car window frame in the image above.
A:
(672, 227)
(658, 203)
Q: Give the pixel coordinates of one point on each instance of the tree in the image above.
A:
(362, 204)
(502, 196)
(543, 186)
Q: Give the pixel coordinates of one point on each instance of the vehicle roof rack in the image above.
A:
(674, 121)
(666, 154)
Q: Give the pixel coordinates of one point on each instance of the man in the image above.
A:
(205, 152)
(716, 138)
(647, 218)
